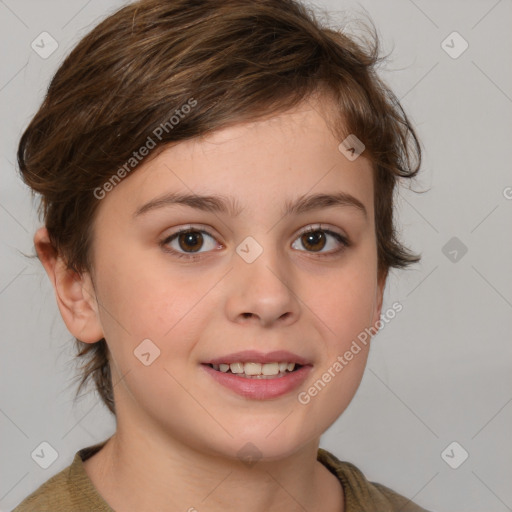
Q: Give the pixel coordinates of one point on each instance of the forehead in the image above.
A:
(261, 164)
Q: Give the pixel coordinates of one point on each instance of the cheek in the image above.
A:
(344, 299)
(344, 308)
(142, 301)
(343, 305)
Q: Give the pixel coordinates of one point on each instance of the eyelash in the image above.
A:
(195, 256)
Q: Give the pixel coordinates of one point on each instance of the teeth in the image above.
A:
(237, 367)
(270, 369)
(252, 369)
(255, 369)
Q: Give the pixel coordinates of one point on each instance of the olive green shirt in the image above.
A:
(71, 490)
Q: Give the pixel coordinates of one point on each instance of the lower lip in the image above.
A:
(260, 389)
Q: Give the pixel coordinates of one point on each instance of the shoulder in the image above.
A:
(54, 494)
(69, 490)
(360, 492)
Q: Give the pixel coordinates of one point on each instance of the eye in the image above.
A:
(315, 239)
(187, 242)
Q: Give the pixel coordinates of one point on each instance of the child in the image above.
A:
(217, 182)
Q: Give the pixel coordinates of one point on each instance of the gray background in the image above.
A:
(438, 373)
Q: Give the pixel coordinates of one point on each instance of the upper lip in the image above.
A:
(253, 356)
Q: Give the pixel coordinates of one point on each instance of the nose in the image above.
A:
(262, 292)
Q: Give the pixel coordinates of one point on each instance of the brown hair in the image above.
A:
(239, 60)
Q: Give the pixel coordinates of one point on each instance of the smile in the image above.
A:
(258, 386)
(257, 370)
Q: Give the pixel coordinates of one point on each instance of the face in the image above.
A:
(244, 278)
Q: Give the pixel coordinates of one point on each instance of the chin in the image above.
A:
(265, 442)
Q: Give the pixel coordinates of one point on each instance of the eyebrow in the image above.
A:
(230, 206)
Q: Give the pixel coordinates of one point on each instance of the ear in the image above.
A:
(74, 292)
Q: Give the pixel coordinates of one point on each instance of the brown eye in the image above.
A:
(190, 241)
(313, 240)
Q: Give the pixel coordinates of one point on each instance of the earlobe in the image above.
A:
(74, 292)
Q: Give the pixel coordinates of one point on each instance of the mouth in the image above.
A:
(253, 370)
(259, 376)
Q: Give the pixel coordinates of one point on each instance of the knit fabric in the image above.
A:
(71, 490)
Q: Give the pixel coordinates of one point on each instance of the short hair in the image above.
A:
(233, 61)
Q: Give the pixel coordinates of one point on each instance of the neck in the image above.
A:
(135, 472)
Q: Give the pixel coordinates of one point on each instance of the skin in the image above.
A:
(178, 431)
